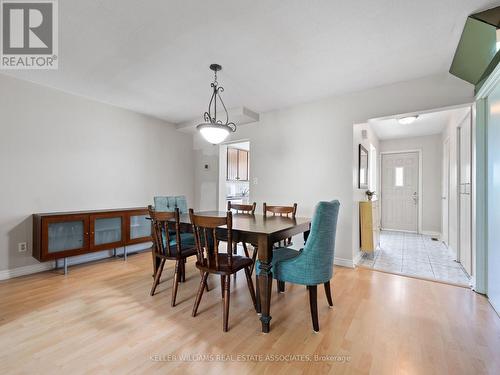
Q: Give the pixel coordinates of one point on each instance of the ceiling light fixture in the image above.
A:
(407, 120)
(213, 129)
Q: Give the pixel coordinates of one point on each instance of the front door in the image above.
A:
(400, 191)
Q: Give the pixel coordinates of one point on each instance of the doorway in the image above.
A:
(234, 173)
(400, 191)
(424, 184)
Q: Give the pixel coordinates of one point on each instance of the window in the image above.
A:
(399, 177)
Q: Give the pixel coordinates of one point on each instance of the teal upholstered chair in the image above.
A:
(181, 204)
(164, 204)
(313, 264)
(170, 203)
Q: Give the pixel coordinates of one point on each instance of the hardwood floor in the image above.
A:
(101, 319)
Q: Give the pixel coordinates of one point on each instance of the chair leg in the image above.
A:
(156, 281)
(257, 294)
(222, 280)
(206, 284)
(183, 270)
(227, 292)
(328, 293)
(245, 249)
(250, 287)
(201, 289)
(155, 264)
(235, 251)
(281, 286)
(313, 304)
(254, 259)
(177, 277)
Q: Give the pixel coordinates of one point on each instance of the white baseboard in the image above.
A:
(357, 258)
(343, 262)
(432, 233)
(26, 270)
(47, 266)
(495, 307)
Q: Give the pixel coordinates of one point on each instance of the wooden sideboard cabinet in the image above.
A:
(368, 226)
(66, 234)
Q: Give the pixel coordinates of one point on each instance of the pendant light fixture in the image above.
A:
(213, 129)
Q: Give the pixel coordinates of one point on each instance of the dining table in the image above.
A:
(264, 231)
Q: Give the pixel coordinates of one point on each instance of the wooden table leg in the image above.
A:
(265, 280)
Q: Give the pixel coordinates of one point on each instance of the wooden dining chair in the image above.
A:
(247, 209)
(210, 260)
(170, 244)
(284, 211)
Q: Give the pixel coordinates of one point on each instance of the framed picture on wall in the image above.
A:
(362, 168)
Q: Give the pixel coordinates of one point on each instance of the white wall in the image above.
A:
(304, 154)
(450, 133)
(493, 198)
(431, 147)
(60, 152)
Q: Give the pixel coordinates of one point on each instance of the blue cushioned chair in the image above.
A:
(164, 204)
(181, 204)
(170, 203)
(313, 264)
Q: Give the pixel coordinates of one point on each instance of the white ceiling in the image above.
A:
(153, 56)
(425, 124)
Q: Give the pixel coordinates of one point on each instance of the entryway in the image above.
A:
(422, 209)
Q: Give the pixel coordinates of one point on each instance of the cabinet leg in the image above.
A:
(124, 252)
(65, 266)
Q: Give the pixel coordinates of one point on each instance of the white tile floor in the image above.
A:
(415, 255)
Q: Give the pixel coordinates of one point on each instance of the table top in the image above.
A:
(255, 223)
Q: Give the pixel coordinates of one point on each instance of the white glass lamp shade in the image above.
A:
(214, 134)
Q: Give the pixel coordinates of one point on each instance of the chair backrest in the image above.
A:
(181, 204)
(319, 251)
(281, 210)
(161, 220)
(242, 208)
(170, 203)
(207, 239)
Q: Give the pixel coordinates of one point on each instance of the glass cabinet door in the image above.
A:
(67, 235)
(106, 230)
(64, 234)
(140, 226)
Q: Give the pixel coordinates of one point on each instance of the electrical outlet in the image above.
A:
(255, 180)
(22, 247)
